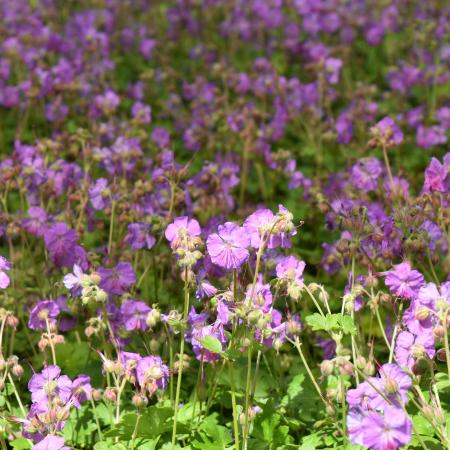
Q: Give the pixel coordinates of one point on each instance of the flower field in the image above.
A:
(224, 224)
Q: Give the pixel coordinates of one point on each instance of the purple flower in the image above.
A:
(49, 385)
(117, 280)
(394, 383)
(366, 173)
(161, 137)
(139, 236)
(290, 268)
(262, 296)
(74, 280)
(403, 281)
(436, 175)
(45, 310)
(134, 315)
(141, 113)
(81, 390)
(263, 226)
(4, 278)
(61, 242)
(388, 431)
(332, 68)
(409, 348)
(199, 332)
(37, 221)
(387, 131)
(152, 373)
(228, 248)
(428, 137)
(181, 229)
(50, 442)
(419, 316)
(100, 194)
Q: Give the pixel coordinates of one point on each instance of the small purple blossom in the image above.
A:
(117, 280)
(228, 248)
(403, 281)
(4, 278)
(44, 311)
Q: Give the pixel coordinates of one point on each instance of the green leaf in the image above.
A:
(211, 343)
(155, 421)
(331, 322)
(21, 444)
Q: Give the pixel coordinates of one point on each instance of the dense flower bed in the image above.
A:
(224, 224)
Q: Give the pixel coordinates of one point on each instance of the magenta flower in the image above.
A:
(182, 228)
(198, 333)
(48, 385)
(117, 280)
(4, 278)
(403, 281)
(228, 248)
(409, 348)
(388, 431)
(134, 315)
(36, 222)
(45, 310)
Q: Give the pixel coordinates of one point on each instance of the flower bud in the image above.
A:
(326, 367)
(422, 313)
(139, 400)
(109, 366)
(110, 394)
(17, 370)
(153, 318)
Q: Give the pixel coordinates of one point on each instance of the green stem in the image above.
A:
(181, 360)
(233, 402)
(394, 334)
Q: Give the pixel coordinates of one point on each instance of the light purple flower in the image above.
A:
(388, 431)
(45, 310)
(387, 130)
(228, 248)
(182, 228)
(139, 236)
(81, 390)
(409, 348)
(403, 281)
(4, 278)
(49, 384)
(117, 280)
(100, 194)
(134, 315)
(73, 280)
(290, 268)
(152, 373)
(50, 442)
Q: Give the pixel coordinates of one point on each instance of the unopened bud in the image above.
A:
(17, 370)
(110, 394)
(326, 367)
